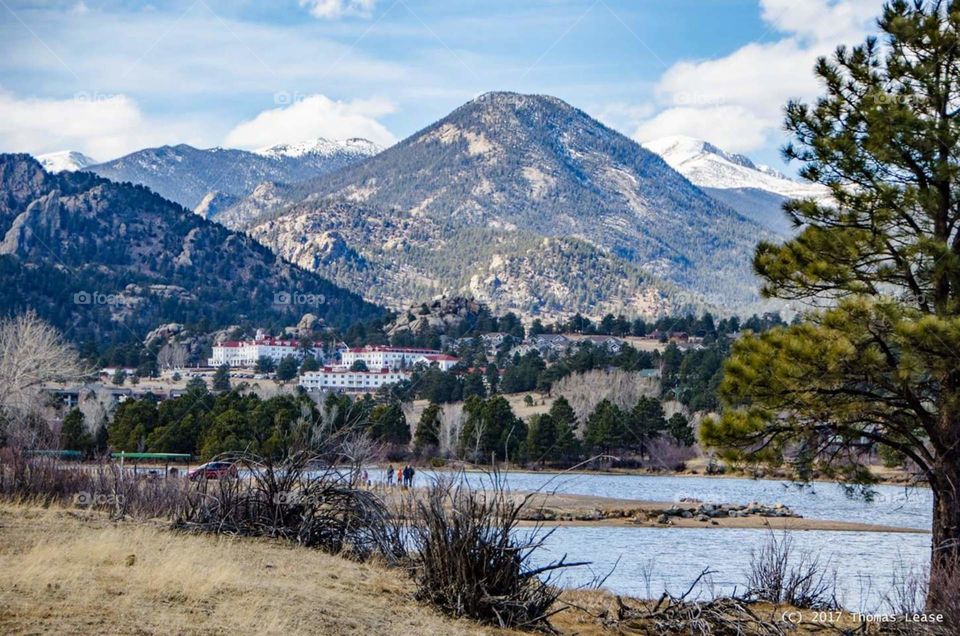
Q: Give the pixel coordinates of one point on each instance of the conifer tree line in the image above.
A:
(204, 424)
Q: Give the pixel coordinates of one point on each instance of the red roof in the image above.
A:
(346, 370)
(266, 342)
(370, 348)
(442, 356)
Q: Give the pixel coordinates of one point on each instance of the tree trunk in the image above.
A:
(944, 590)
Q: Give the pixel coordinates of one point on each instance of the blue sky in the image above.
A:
(108, 76)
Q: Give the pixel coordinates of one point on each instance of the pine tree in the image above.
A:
(646, 422)
(428, 428)
(542, 439)
(680, 430)
(265, 365)
(387, 423)
(287, 369)
(880, 364)
(309, 364)
(491, 429)
(221, 378)
(473, 385)
(73, 433)
(604, 430)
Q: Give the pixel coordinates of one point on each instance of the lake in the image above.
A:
(654, 559)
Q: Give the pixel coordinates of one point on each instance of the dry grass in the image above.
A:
(76, 572)
(64, 571)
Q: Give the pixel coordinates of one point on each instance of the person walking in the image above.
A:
(410, 479)
(399, 476)
(390, 476)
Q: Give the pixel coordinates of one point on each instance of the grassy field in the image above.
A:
(71, 571)
(66, 571)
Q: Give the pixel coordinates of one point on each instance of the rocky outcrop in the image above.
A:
(708, 511)
(213, 203)
(440, 316)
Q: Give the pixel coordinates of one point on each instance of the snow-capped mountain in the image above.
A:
(65, 161)
(207, 179)
(757, 192)
(323, 147)
(522, 201)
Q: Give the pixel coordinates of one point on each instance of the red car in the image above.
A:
(213, 470)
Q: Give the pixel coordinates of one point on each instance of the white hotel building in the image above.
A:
(380, 357)
(343, 379)
(245, 353)
(386, 365)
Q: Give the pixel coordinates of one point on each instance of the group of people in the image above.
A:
(404, 476)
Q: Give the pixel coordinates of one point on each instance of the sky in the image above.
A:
(107, 77)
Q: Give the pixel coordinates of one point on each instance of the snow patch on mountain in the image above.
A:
(322, 147)
(65, 161)
(707, 166)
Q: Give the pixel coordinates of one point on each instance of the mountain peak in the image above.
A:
(495, 100)
(188, 175)
(65, 161)
(679, 149)
(494, 179)
(322, 146)
(757, 192)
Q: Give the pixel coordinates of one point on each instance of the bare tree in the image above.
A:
(95, 406)
(585, 390)
(172, 356)
(32, 354)
(451, 421)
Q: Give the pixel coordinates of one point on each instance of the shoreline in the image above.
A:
(591, 511)
(631, 472)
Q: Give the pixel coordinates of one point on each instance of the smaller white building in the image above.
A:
(344, 380)
(245, 353)
(381, 357)
(443, 361)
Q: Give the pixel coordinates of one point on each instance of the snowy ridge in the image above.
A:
(65, 160)
(322, 147)
(707, 166)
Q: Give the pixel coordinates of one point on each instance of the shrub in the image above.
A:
(780, 576)
(105, 486)
(293, 499)
(472, 562)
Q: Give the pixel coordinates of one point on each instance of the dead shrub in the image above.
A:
(780, 575)
(471, 560)
(299, 499)
(103, 485)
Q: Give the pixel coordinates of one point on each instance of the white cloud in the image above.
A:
(311, 117)
(98, 125)
(737, 101)
(334, 9)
